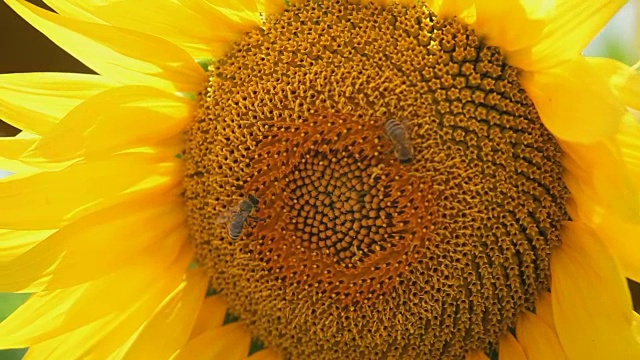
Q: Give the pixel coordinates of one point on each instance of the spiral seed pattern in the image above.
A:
(360, 256)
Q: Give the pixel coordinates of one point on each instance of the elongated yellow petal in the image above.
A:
(574, 102)
(229, 342)
(15, 243)
(511, 25)
(477, 355)
(628, 141)
(622, 239)
(43, 350)
(48, 200)
(463, 9)
(121, 118)
(544, 310)
(510, 349)
(124, 55)
(12, 148)
(573, 24)
(606, 175)
(170, 326)
(266, 354)
(245, 14)
(211, 316)
(591, 303)
(271, 6)
(74, 10)
(166, 19)
(620, 236)
(624, 80)
(70, 256)
(36, 101)
(115, 299)
(537, 340)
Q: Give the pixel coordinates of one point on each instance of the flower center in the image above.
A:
(408, 195)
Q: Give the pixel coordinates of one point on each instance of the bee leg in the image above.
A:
(254, 219)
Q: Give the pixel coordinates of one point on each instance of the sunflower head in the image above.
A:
(358, 244)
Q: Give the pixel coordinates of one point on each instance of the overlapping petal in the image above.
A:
(574, 102)
(225, 342)
(510, 349)
(208, 33)
(122, 118)
(92, 246)
(537, 340)
(123, 55)
(591, 303)
(568, 29)
(211, 316)
(169, 327)
(111, 301)
(36, 101)
(48, 200)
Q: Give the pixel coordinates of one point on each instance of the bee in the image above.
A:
(237, 216)
(397, 133)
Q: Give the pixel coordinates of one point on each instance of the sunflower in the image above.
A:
(322, 180)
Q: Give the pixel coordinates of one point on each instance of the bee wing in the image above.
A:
(225, 216)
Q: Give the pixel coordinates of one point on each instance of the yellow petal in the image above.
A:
(116, 299)
(121, 118)
(43, 350)
(124, 55)
(266, 354)
(271, 6)
(462, 9)
(591, 303)
(166, 19)
(36, 101)
(573, 24)
(537, 340)
(70, 256)
(511, 25)
(211, 316)
(544, 310)
(620, 236)
(628, 141)
(228, 20)
(244, 14)
(510, 349)
(171, 324)
(229, 342)
(477, 355)
(606, 176)
(72, 9)
(623, 79)
(48, 200)
(15, 243)
(622, 239)
(574, 102)
(12, 148)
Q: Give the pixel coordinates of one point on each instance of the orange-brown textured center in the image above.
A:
(353, 253)
(338, 207)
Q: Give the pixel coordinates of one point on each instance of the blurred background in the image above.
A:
(24, 49)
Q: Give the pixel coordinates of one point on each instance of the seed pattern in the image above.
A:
(360, 256)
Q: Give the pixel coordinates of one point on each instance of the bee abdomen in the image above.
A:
(395, 130)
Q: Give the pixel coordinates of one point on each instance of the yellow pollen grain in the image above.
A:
(355, 255)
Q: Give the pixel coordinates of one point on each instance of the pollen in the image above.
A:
(352, 252)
